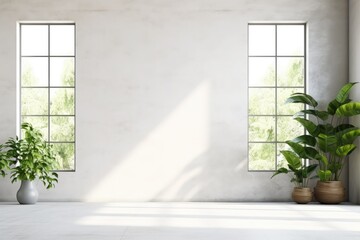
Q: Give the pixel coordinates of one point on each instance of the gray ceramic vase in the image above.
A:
(27, 193)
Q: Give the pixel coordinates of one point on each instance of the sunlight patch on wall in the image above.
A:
(160, 158)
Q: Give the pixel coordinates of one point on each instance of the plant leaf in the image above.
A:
(306, 139)
(348, 109)
(350, 136)
(345, 150)
(327, 143)
(343, 127)
(279, 171)
(292, 159)
(323, 115)
(326, 129)
(311, 168)
(324, 175)
(297, 148)
(309, 126)
(322, 158)
(343, 94)
(333, 106)
(302, 98)
(311, 153)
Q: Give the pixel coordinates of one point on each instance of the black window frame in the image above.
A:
(48, 87)
(276, 87)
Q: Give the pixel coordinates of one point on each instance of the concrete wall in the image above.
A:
(162, 93)
(354, 74)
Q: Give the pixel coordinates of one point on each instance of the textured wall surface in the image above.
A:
(354, 74)
(162, 93)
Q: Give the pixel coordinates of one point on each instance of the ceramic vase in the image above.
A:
(27, 194)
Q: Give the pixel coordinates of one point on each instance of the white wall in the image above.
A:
(354, 74)
(162, 93)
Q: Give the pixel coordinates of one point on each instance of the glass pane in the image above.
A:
(288, 108)
(261, 71)
(288, 129)
(290, 71)
(65, 155)
(34, 101)
(62, 71)
(62, 40)
(34, 71)
(261, 40)
(34, 40)
(261, 156)
(261, 129)
(290, 40)
(62, 129)
(62, 101)
(40, 123)
(262, 101)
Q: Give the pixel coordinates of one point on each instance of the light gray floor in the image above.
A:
(169, 221)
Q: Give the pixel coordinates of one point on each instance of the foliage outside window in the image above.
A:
(276, 69)
(47, 80)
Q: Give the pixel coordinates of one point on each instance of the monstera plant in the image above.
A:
(330, 138)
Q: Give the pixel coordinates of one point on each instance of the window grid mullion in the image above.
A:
(276, 100)
(20, 80)
(58, 56)
(49, 87)
(45, 115)
(49, 84)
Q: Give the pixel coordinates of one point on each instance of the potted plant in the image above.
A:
(330, 139)
(29, 159)
(299, 170)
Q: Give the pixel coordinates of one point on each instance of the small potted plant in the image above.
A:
(300, 171)
(28, 159)
(331, 138)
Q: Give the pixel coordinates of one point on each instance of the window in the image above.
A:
(47, 85)
(276, 69)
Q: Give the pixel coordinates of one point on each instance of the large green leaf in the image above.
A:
(308, 170)
(348, 109)
(296, 171)
(327, 143)
(335, 167)
(350, 136)
(345, 150)
(311, 153)
(334, 105)
(280, 170)
(323, 159)
(302, 98)
(324, 175)
(309, 126)
(297, 148)
(293, 160)
(306, 139)
(343, 94)
(323, 115)
(327, 129)
(343, 127)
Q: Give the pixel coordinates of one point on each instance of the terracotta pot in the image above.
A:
(301, 195)
(330, 192)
